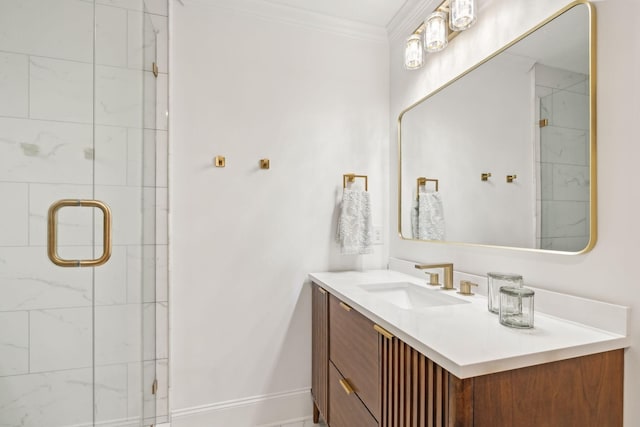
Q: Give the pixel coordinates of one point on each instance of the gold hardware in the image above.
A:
(465, 287)
(388, 335)
(264, 164)
(434, 279)
(511, 178)
(544, 123)
(485, 176)
(423, 181)
(219, 161)
(345, 306)
(52, 237)
(448, 273)
(346, 386)
(351, 177)
(154, 387)
(322, 291)
(154, 68)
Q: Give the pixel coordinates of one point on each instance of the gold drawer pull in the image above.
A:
(322, 291)
(388, 335)
(346, 386)
(345, 306)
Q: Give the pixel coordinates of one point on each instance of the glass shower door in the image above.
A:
(75, 341)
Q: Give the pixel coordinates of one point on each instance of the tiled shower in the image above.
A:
(83, 115)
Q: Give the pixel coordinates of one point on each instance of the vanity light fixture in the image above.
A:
(413, 53)
(460, 14)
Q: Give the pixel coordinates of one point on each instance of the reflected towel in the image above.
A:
(427, 217)
(354, 223)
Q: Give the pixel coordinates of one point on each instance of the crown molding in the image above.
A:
(283, 14)
(409, 17)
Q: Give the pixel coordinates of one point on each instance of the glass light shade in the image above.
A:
(413, 53)
(435, 32)
(462, 14)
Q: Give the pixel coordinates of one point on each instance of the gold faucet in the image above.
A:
(448, 273)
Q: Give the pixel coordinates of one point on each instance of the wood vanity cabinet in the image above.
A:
(365, 377)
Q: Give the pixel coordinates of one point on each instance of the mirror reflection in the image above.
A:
(504, 155)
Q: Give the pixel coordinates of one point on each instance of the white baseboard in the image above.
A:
(266, 410)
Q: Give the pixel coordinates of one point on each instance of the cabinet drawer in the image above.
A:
(346, 409)
(353, 348)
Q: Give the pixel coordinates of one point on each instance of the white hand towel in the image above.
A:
(427, 217)
(354, 224)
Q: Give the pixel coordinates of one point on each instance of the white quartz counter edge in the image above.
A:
(466, 339)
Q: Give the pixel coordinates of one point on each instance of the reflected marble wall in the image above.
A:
(563, 159)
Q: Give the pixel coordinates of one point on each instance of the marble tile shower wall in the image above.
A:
(50, 149)
(563, 159)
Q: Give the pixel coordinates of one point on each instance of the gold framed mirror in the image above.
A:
(510, 144)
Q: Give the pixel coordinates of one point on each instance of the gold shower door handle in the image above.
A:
(52, 238)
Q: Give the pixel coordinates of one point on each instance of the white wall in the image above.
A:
(311, 95)
(607, 272)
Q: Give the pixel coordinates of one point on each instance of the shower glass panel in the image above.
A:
(77, 345)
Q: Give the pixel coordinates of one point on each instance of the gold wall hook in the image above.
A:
(485, 176)
(511, 178)
(219, 161)
(265, 164)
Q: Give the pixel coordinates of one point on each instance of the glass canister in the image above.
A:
(516, 307)
(494, 282)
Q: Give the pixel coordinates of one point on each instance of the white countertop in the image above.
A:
(466, 339)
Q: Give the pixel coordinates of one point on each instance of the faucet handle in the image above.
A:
(434, 279)
(465, 287)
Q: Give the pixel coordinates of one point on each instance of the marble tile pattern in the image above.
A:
(72, 128)
(563, 160)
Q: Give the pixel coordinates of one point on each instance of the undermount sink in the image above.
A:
(410, 296)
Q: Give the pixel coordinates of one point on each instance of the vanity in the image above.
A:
(386, 353)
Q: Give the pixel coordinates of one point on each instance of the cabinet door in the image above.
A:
(346, 410)
(586, 392)
(418, 392)
(320, 350)
(354, 351)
